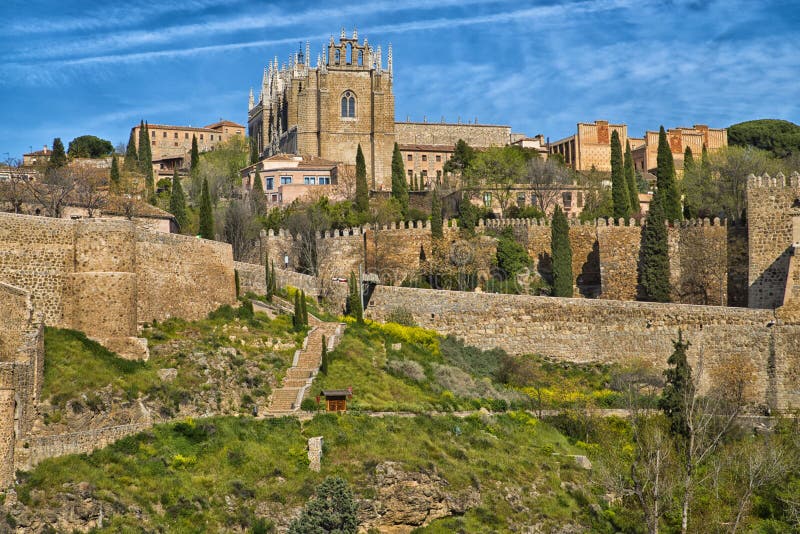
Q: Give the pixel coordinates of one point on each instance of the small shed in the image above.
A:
(336, 399)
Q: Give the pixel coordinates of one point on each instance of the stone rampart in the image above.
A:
(252, 277)
(431, 133)
(586, 330)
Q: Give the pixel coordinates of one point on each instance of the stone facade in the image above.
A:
(105, 276)
(773, 207)
(590, 146)
(584, 330)
(645, 156)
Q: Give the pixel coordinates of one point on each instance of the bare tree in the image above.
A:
(240, 227)
(305, 223)
(14, 189)
(546, 179)
(53, 190)
(90, 187)
(346, 178)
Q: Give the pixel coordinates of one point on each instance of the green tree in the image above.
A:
(654, 255)
(467, 215)
(114, 175)
(665, 179)
(257, 197)
(58, 158)
(630, 179)
(437, 232)
(688, 159)
(146, 162)
(561, 253)
(194, 170)
(620, 195)
(463, 155)
(362, 192)
(303, 308)
(89, 146)
(333, 511)
(399, 185)
(780, 137)
(269, 279)
(131, 154)
(297, 314)
(323, 364)
(498, 169)
(236, 282)
(354, 304)
(206, 227)
(512, 257)
(678, 389)
(177, 202)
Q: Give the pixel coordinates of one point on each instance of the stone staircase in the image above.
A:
(305, 366)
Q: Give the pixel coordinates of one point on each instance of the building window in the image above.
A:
(533, 199)
(212, 137)
(176, 135)
(580, 199)
(410, 175)
(153, 143)
(438, 158)
(309, 180)
(337, 55)
(360, 58)
(410, 157)
(165, 135)
(324, 180)
(424, 157)
(348, 105)
(275, 198)
(521, 200)
(286, 180)
(186, 135)
(487, 199)
(566, 198)
(176, 143)
(153, 134)
(270, 183)
(201, 136)
(424, 174)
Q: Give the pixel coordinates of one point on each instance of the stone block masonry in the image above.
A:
(586, 330)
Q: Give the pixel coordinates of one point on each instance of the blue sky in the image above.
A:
(76, 67)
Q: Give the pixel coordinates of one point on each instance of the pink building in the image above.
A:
(286, 177)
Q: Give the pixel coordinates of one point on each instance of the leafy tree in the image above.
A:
(131, 155)
(257, 197)
(498, 169)
(654, 255)
(467, 215)
(561, 253)
(437, 232)
(333, 510)
(678, 388)
(362, 192)
(665, 179)
(463, 155)
(399, 185)
(89, 146)
(206, 228)
(630, 179)
(512, 257)
(620, 194)
(114, 175)
(546, 178)
(58, 158)
(177, 202)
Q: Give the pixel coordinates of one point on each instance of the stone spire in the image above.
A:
(389, 60)
(344, 35)
(251, 103)
(378, 60)
(308, 53)
(355, 33)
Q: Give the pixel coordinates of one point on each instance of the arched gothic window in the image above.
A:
(348, 105)
(360, 58)
(337, 56)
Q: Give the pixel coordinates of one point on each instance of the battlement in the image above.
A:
(779, 180)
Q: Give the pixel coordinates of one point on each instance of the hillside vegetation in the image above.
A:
(780, 137)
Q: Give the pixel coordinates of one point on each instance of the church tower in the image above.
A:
(328, 110)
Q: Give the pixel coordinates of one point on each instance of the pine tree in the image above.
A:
(362, 193)
(258, 200)
(58, 158)
(620, 195)
(323, 367)
(131, 154)
(678, 390)
(654, 269)
(437, 232)
(206, 226)
(114, 175)
(177, 202)
(561, 254)
(665, 179)
(630, 179)
(399, 186)
(333, 510)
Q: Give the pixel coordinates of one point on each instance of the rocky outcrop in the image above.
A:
(406, 500)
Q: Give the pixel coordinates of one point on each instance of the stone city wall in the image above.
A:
(586, 330)
(430, 133)
(252, 277)
(35, 449)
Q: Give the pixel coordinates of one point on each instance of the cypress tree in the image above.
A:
(268, 274)
(206, 227)
(630, 179)
(131, 155)
(654, 264)
(114, 176)
(194, 169)
(177, 202)
(688, 160)
(146, 162)
(273, 280)
(437, 232)
(678, 389)
(236, 281)
(665, 179)
(362, 193)
(355, 306)
(58, 158)
(257, 197)
(303, 308)
(561, 254)
(705, 165)
(399, 186)
(620, 195)
(323, 364)
(297, 316)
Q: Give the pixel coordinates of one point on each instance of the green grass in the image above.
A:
(180, 474)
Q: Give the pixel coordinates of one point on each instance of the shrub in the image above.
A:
(332, 510)
(309, 405)
(407, 368)
(401, 316)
